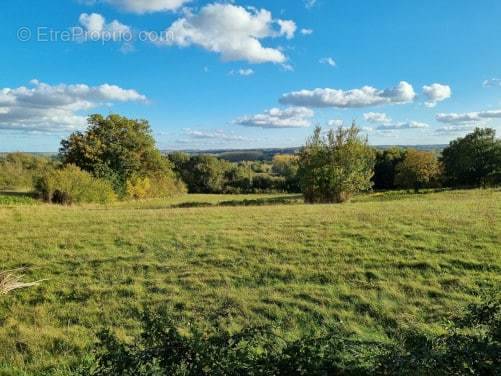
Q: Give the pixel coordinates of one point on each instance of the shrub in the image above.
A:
(333, 168)
(419, 169)
(71, 185)
(162, 350)
(160, 186)
(471, 346)
(18, 170)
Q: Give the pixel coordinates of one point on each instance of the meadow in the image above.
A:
(382, 262)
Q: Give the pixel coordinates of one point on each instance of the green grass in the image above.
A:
(382, 262)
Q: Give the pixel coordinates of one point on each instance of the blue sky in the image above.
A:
(245, 74)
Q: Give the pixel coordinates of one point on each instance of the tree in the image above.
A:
(287, 166)
(333, 168)
(117, 149)
(385, 168)
(417, 170)
(474, 160)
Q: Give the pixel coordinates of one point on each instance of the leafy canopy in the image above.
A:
(333, 168)
(474, 160)
(115, 148)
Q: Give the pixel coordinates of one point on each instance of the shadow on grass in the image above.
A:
(285, 200)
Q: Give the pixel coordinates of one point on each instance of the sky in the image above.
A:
(249, 73)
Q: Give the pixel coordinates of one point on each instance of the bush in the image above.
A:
(419, 169)
(70, 185)
(471, 346)
(333, 168)
(162, 350)
(18, 170)
(160, 186)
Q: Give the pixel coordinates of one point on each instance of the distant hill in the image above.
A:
(235, 155)
(240, 155)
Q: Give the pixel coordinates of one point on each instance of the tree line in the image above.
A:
(116, 158)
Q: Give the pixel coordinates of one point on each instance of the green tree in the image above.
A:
(418, 170)
(117, 149)
(205, 174)
(333, 168)
(474, 160)
(385, 168)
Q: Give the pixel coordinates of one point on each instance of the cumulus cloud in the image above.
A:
(234, 32)
(48, 108)
(364, 97)
(403, 125)
(219, 135)
(328, 61)
(436, 93)
(493, 82)
(293, 117)
(377, 118)
(94, 27)
(242, 72)
(468, 118)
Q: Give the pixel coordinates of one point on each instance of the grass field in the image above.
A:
(382, 262)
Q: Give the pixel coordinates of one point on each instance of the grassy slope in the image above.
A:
(381, 262)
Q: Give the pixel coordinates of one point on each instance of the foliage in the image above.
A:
(286, 165)
(18, 170)
(333, 168)
(385, 167)
(117, 149)
(474, 160)
(162, 350)
(471, 346)
(208, 174)
(159, 186)
(419, 169)
(71, 185)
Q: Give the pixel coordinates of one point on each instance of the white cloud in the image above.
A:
(56, 108)
(468, 118)
(293, 117)
(328, 61)
(234, 32)
(377, 118)
(242, 72)
(493, 82)
(454, 130)
(219, 135)
(306, 31)
(364, 97)
(436, 93)
(142, 6)
(94, 27)
(403, 125)
(287, 28)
